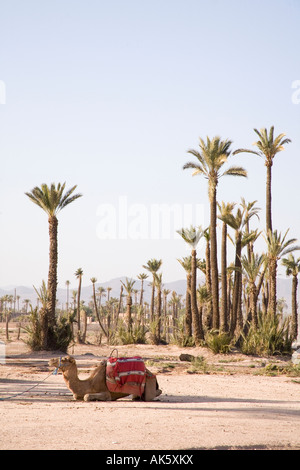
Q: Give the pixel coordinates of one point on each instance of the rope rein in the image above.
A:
(31, 388)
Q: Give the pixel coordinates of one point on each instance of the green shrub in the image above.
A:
(61, 334)
(218, 342)
(272, 336)
(137, 335)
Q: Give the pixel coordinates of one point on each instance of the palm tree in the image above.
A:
(292, 269)
(158, 284)
(153, 265)
(207, 272)
(225, 211)
(52, 200)
(268, 147)
(128, 286)
(166, 292)
(186, 263)
(252, 269)
(79, 274)
(237, 222)
(211, 157)
(93, 281)
(101, 292)
(278, 246)
(142, 277)
(250, 211)
(68, 286)
(192, 236)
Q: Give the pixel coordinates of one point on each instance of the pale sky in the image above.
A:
(110, 95)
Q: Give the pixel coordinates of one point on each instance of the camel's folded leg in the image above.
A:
(102, 396)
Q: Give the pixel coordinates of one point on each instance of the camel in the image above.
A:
(94, 387)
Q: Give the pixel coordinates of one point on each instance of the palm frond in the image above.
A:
(235, 171)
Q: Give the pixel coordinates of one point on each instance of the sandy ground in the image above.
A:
(229, 407)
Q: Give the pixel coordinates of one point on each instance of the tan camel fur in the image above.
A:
(92, 388)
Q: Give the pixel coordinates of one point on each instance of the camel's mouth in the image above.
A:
(54, 362)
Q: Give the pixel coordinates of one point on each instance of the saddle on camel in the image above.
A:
(111, 379)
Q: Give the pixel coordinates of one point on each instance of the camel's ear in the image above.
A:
(70, 359)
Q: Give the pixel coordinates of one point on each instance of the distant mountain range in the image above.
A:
(284, 289)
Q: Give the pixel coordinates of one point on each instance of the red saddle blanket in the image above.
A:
(126, 375)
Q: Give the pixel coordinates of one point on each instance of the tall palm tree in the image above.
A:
(192, 236)
(292, 269)
(225, 210)
(128, 286)
(52, 200)
(79, 274)
(211, 158)
(153, 265)
(268, 147)
(278, 247)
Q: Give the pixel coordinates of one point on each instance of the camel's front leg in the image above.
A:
(102, 396)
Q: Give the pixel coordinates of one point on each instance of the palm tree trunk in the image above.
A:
(197, 327)
(269, 199)
(223, 314)
(236, 284)
(152, 301)
(294, 308)
(273, 287)
(253, 304)
(78, 311)
(188, 310)
(214, 257)
(142, 292)
(209, 307)
(157, 333)
(52, 274)
(128, 313)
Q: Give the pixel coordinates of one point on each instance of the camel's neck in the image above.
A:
(71, 377)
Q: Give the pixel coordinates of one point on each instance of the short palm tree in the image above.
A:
(79, 274)
(278, 247)
(268, 147)
(93, 281)
(292, 266)
(212, 156)
(192, 236)
(153, 265)
(250, 211)
(52, 200)
(142, 277)
(252, 269)
(128, 286)
(159, 286)
(186, 263)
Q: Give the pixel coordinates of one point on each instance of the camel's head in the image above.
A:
(62, 363)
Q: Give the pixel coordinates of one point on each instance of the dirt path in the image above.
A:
(229, 407)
